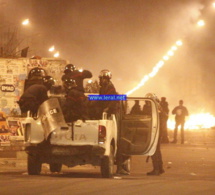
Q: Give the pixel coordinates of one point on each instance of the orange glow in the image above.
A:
(195, 121)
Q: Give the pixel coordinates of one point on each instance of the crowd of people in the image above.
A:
(76, 106)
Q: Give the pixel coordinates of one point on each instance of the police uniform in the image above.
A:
(32, 98)
(79, 77)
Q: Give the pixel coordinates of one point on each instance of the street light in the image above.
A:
(52, 48)
(57, 54)
(201, 23)
(25, 22)
(179, 43)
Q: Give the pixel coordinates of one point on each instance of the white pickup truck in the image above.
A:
(49, 139)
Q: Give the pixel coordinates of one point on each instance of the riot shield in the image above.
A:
(51, 116)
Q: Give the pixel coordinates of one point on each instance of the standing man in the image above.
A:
(136, 109)
(107, 88)
(180, 113)
(157, 160)
(77, 75)
(164, 119)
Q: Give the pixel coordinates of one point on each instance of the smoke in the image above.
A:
(129, 38)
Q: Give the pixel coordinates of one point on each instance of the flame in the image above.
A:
(156, 68)
(195, 121)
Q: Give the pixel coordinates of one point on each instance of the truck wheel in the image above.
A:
(34, 165)
(107, 164)
(55, 167)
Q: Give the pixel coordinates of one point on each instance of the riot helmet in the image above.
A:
(69, 83)
(152, 96)
(69, 68)
(105, 74)
(37, 73)
(48, 81)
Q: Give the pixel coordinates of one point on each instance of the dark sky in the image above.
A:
(129, 37)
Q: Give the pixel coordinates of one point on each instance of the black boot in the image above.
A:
(154, 172)
(161, 169)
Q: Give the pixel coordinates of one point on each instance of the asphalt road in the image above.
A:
(189, 169)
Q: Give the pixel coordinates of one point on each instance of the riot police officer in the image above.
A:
(111, 107)
(74, 107)
(35, 76)
(35, 95)
(106, 88)
(77, 75)
(157, 161)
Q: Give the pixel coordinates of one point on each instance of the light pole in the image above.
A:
(11, 40)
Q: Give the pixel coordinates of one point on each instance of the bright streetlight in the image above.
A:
(52, 48)
(201, 23)
(25, 22)
(57, 54)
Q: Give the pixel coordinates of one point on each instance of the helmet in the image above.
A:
(152, 96)
(69, 83)
(37, 72)
(69, 68)
(48, 81)
(163, 98)
(105, 74)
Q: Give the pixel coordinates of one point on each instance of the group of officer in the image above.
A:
(39, 83)
(75, 105)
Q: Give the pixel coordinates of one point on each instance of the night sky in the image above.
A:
(129, 37)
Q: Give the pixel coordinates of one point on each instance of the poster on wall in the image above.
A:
(13, 73)
(4, 131)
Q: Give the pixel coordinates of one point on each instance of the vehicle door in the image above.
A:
(138, 126)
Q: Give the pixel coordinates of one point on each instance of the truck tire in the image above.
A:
(107, 164)
(55, 167)
(34, 165)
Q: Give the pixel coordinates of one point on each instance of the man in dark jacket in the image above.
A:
(35, 95)
(74, 107)
(180, 113)
(164, 119)
(77, 75)
(107, 88)
(136, 109)
(111, 107)
(157, 160)
(35, 76)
